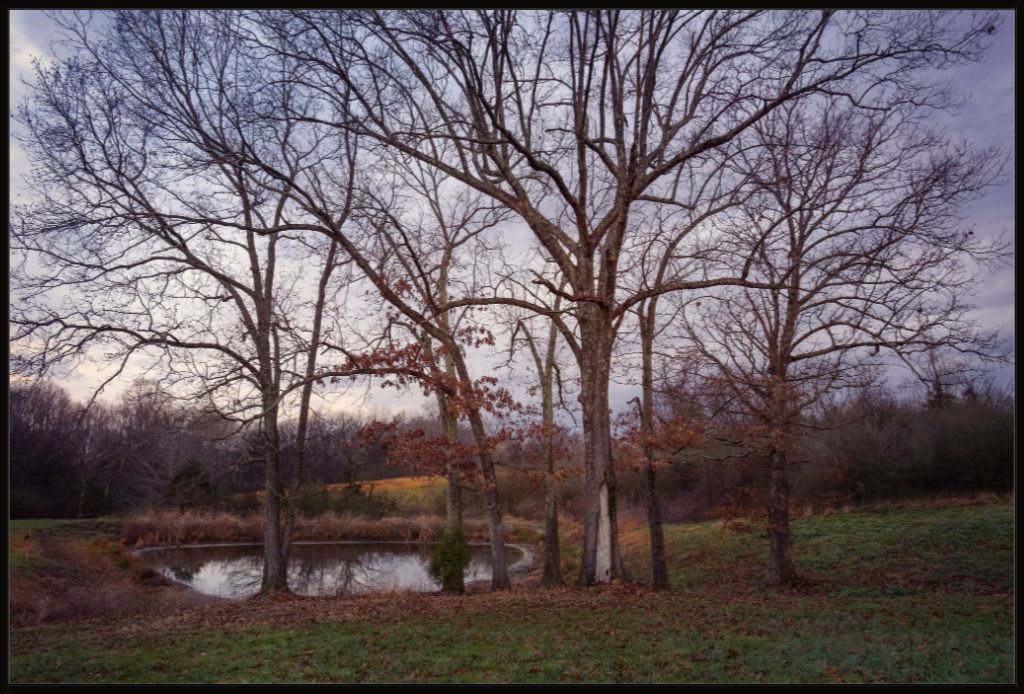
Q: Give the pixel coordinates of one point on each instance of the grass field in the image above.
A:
(896, 595)
(412, 495)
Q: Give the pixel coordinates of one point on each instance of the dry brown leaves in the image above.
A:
(292, 610)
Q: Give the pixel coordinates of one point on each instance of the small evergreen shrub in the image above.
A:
(450, 560)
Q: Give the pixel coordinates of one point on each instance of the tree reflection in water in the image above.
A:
(235, 571)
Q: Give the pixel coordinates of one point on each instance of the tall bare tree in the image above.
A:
(147, 237)
(571, 119)
(676, 242)
(856, 227)
(549, 375)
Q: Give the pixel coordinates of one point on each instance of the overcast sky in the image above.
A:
(986, 119)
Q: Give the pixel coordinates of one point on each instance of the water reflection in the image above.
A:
(235, 571)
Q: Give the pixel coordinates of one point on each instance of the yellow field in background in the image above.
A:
(398, 483)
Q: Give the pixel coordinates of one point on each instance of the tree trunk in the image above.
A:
(450, 429)
(292, 492)
(453, 505)
(780, 564)
(598, 553)
(499, 567)
(546, 372)
(275, 562)
(499, 578)
(552, 575)
(659, 565)
(618, 567)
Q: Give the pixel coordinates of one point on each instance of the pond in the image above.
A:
(315, 568)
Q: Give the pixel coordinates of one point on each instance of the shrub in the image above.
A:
(450, 560)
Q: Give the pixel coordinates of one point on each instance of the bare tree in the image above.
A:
(548, 376)
(146, 236)
(675, 243)
(944, 373)
(40, 415)
(570, 120)
(855, 226)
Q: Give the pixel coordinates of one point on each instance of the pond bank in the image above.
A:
(79, 569)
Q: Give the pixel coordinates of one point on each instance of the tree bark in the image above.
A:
(307, 392)
(275, 564)
(598, 564)
(275, 559)
(659, 565)
(546, 372)
(453, 496)
(499, 567)
(618, 567)
(780, 564)
(552, 575)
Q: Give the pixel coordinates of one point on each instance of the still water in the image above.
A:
(315, 568)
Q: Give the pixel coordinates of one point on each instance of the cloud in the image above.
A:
(27, 29)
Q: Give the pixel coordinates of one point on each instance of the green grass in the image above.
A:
(921, 595)
(966, 547)
(660, 638)
(82, 527)
(24, 552)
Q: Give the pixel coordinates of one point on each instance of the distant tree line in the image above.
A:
(879, 444)
(148, 451)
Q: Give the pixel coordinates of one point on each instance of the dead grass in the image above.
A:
(192, 527)
(63, 577)
(176, 528)
(401, 483)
